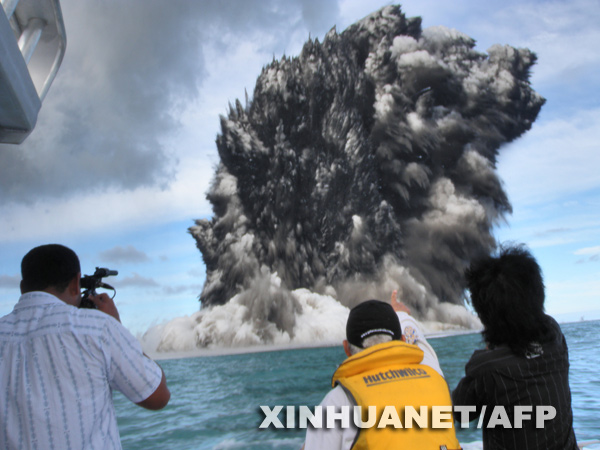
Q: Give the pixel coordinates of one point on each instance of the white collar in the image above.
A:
(37, 298)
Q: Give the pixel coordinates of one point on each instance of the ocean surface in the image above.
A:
(215, 400)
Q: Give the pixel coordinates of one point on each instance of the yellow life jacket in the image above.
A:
(390, 375)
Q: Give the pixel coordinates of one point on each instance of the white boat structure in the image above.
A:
(32, 46)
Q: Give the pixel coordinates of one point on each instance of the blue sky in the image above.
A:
(124, 150)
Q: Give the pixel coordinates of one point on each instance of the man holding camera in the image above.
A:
(59, 364)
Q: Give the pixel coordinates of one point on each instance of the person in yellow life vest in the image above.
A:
(399, 388)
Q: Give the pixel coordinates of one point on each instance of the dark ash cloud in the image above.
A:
(365, 164)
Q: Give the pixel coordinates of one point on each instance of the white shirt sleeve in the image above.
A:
(411, 329)
(130, 371)
(337, 438)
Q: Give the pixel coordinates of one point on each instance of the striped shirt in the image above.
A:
(58, 368)
(499, 377)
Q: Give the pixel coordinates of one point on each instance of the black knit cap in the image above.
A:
(369, 318)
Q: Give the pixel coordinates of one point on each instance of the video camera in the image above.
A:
(89, 284)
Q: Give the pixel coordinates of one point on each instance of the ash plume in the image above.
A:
(363, 165)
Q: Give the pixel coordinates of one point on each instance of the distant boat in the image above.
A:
(32, 45)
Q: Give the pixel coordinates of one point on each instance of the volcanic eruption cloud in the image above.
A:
(363, 165)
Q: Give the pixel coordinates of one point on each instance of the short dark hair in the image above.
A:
(507, 292)
(51, 265)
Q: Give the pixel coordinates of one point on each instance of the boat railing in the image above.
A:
(32, 46)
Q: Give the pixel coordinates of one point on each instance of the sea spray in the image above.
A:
(321, 320)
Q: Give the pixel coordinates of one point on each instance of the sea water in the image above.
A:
(215, 400)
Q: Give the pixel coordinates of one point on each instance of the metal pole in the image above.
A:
(62, 45)
(9, 7)
(30, 37)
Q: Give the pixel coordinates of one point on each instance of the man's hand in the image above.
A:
(397, 304)
(105, 304)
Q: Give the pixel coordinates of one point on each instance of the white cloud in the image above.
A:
(86, 214)
(10, 281)
(136, 280)
(179, 289)
(557, 159)
(588, 251)
(120, 254)
(591, 254)
(563, 34)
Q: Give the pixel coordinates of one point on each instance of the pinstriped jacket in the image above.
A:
(499, 377)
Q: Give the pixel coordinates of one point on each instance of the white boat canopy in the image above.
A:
(32, 46)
